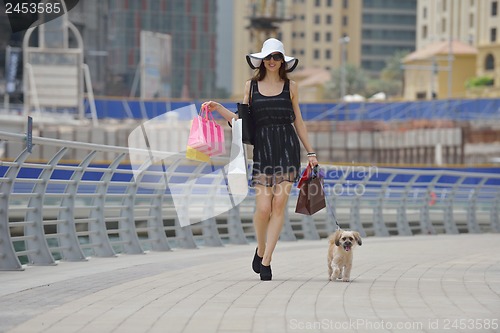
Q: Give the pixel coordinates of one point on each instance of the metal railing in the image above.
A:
(63, 210)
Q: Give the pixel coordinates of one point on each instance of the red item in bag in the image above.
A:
(305, 176)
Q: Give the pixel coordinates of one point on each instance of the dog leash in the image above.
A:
(316, 173)
(331, 209)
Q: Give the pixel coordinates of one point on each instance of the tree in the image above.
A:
(355, 82)
(391, 77)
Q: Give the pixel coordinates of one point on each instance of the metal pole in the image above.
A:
(343, 41)
(6, 102)
(450, 71)
(450, 48)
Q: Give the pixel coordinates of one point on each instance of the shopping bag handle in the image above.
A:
(315, 172)
(205, 113)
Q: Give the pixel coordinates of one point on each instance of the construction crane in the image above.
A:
(265, 15)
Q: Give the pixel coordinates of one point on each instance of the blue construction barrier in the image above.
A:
(332, 175)
(455, 109)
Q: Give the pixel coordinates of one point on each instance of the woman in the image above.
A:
(276, 154)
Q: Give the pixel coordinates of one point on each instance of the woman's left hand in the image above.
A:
(211, 105)
(313, 161)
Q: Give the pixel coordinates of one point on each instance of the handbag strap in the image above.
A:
(251, 92)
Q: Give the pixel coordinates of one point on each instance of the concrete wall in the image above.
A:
(331, 145)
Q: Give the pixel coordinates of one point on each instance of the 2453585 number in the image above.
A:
(33, 8)
(471, 324)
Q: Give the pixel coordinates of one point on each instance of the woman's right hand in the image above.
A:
(211, 105)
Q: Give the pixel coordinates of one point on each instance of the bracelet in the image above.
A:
(311, 154)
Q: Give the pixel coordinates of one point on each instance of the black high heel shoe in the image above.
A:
(257, 261)
(265, 273)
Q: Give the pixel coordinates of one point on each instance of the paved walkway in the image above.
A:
(421, 283)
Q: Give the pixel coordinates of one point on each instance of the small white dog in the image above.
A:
(340, 254)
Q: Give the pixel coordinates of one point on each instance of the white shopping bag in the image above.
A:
(237, 177)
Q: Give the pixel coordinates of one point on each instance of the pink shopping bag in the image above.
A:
(217, 144)
(206, 135)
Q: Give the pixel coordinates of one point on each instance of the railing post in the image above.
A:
(472, 224)
(70, 245)
(495, 214)
(210, 232)
(35, 232)
(402, 219)
(287, 233)
(128, 232)
(234, 227)
(309, 228)
(185, 233)
(379, 226)
(184, 236)
(209, 226)
(449, 222)
(426, 226)
(156, 229)
(8, 257)
(98, 234)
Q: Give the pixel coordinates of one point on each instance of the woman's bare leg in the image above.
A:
(281, 192)
(263, 205)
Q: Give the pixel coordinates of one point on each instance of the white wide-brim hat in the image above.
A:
(271, 45)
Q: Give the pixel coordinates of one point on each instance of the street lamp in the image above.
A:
(343, 42)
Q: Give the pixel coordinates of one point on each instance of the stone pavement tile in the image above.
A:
(395, 280)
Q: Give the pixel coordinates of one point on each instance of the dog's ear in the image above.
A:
(337, 236)
(358, 237)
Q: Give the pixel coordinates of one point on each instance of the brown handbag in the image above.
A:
(311, 197)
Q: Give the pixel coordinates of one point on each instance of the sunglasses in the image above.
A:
(276, 57)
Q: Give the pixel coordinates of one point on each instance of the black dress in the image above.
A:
(276, 152)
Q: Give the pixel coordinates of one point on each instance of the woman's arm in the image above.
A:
(228, 115)
(299, 124)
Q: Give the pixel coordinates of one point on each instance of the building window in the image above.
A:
(424, 31)
(345, 4)
(344, 21)
(444, 5)
(493, 35)
(328, 19)
(316, 37)
(318, 3)
(471, 20)
(317, 19)
(489, 63)
(329, 3)
(328, 37)
(424, 14)
(316, 54)
(443, 25)
(328, 54)
(471, 40)
(494, 8)
(302, 34)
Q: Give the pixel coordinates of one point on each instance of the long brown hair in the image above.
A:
(261, 72)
